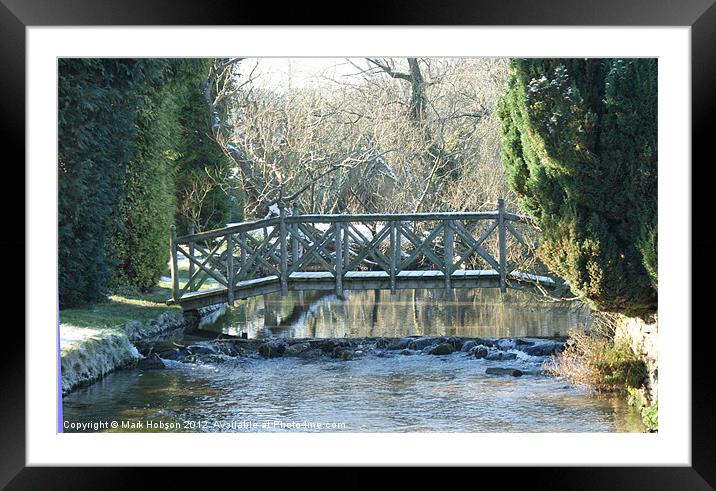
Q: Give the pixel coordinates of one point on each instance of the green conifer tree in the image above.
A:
(580, 151)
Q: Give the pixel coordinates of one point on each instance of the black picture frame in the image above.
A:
(16, 15)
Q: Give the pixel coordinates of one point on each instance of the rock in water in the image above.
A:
(468, 345)
(480, 352)
(504, 371)
(420, 343)
(272, 349)
(296, 349)
(544, 349)
(170, 354)
(455, 342)
(442, 349)
(500, 355)
(202, 349)
(150, 363)
(505, 344)
(393, 344)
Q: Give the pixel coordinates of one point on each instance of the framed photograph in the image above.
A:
(430, 241)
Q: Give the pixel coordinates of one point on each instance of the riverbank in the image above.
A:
(99, 339)
(619, 355)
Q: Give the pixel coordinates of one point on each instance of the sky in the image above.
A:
(276, 73)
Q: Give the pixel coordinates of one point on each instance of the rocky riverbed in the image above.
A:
(367, 384)
(161, 355)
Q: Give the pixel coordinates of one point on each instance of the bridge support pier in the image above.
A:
(191, 320)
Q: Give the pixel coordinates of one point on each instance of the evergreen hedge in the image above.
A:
(123, 148)
(580, 151)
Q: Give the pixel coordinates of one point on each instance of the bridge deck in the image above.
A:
(361, 280)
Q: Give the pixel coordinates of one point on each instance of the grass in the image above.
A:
(649, 413)
(121, 308)
(650, 416)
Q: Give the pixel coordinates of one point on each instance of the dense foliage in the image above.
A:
(137, 245)
(122, 149)
(580, 151)
(95, 134)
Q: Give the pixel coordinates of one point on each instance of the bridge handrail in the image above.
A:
(279, 249)
(220, 232)
(356, 217)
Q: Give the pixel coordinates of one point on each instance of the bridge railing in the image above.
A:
(338, 245)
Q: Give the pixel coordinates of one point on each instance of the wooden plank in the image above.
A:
(339, 259)
(363, 280)
(395, 217)
(191, 265)
(311, 275)
(356, 275)
(283, 238)
(517, 235)
(346, 246)
(448, 247)
(230, 268)
(394, 258)
(242, 242)
(295, 251)
(220, 232)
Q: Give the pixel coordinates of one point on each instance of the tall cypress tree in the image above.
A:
(580, 150)
(139, 243)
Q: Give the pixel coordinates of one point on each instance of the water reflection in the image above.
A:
(474, 313)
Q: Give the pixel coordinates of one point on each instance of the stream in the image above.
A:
(368, 363)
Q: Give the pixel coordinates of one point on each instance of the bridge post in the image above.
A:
(191, 264)
(393, 255)
(230, 268)
(294, 235)
(339, 258)
(174, 264)
(503, 243)
(449, 252)
(283, 237)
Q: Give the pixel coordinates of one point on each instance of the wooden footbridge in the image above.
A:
(353, 252)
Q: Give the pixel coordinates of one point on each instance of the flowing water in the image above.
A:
(383, 391)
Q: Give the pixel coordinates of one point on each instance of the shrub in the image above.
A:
(594, 359)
